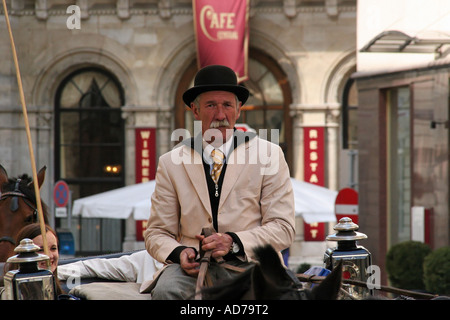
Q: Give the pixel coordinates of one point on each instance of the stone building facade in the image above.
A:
(142, 56)
(403, 89)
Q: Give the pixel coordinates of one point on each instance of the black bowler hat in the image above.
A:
(215, 78)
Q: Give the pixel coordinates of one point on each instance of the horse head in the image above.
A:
(17, 208)
(270, 280)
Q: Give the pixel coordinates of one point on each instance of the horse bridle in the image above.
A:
(14, 206)
(302, 294)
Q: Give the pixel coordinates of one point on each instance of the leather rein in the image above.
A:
(204, 280)
(205, 260)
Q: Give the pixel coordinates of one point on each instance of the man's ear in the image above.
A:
(195, 111)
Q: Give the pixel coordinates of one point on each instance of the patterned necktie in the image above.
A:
(217, 157)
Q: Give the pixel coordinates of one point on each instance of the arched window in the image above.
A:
(89, 131)
(89, 150)
(264, 108)
(349, 116)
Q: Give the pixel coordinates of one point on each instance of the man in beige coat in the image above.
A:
(250, 205)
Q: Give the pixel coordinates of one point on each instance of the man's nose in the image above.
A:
(220, 114)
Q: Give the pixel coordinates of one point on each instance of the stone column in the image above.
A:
(322, 115)
(332, 140)
(142, 117)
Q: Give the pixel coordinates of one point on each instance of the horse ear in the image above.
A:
(261, 287)
(269, 275)
(40, 177)
(3, 176)
(328, 289)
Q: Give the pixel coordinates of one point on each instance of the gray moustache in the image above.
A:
(217, 124)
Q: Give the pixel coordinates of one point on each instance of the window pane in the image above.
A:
(352, 98)
(100, 126)
(91, 138)
(255, 119)
(70, 159)
(189, 121)
(399, 129)
(274, 121)
(352, 128)
(91, 130)
(71, 94)
(264, 88)
(80, 84)
(272, 91)
(350, 116)
(69, 127)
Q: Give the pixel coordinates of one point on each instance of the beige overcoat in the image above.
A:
(256, 201)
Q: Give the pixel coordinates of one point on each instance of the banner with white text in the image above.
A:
(221, 29)
(314, 172)
(145, 156)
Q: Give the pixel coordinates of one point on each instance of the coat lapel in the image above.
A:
(237, 161)
(196, 173)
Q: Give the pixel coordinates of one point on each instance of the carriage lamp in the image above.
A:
(355, 259)
(29, 282)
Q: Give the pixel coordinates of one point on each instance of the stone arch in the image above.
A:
(332, 94)
(171, 71)
(337, 77)
(64, 63)
(264, 43)
(179, 68)
(182, 57)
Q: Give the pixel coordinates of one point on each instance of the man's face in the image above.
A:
(217, 110)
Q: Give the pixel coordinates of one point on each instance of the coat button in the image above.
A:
(209, 220)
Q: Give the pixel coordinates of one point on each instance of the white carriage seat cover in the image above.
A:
(138, 267)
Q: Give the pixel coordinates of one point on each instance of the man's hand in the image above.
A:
(188, 263)
(219, 243)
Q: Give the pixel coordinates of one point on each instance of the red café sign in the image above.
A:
(221, 29)
(314, 172)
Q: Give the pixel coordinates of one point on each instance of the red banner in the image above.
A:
(314, 155)
(141, 226)
(221, 29)
(145, 142)
(314, 172)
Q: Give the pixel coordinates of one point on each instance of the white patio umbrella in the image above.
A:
(314, 203)
(118, 203)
